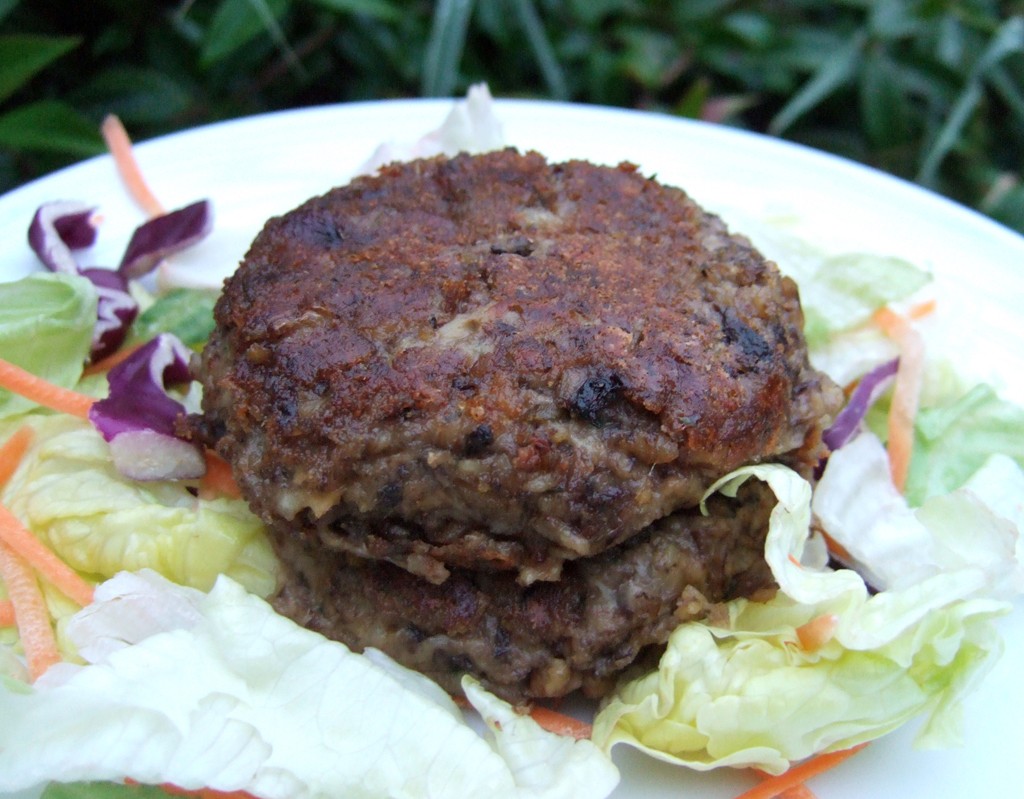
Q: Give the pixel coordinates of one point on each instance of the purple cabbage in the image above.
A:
(164, 235)
(868, 390)
(60, 227)
(138, 418)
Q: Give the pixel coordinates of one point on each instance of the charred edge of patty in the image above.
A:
(548, 639)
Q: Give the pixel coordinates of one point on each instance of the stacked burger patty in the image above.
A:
(478, 400)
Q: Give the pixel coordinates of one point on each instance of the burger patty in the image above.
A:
(495, 364)
(549, 638)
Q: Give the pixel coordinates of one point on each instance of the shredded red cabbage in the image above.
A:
(60, 227)
(867, 392)
(138, 417)
(164, 235)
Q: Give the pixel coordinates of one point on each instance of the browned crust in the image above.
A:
(492, 362)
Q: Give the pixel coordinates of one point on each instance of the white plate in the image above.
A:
(254, 168)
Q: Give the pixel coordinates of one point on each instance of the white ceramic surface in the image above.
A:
(257, 167)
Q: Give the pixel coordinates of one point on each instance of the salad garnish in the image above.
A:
(138, 416)
(902, 633)
(60, 227)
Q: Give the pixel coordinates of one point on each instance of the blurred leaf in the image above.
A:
(22, 55)
(6, 7)
(951, 41)
(691, 105)
(237, 22)
(445, 47)
(591, 12)
(883, 99)
(378, 9)
(532, 26)
(837, 70)
(1010, 91)
(137, 95)
(49, 126)
(1009, 209)
(698, 10)
(893, 19)
(1007, 40)
(755, 30)
(649, 56)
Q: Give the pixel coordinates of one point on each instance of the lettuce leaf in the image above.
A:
(746, 693)
(972, 529)
(954, 438)
(231, 696)
(46, 327)
(68, 493)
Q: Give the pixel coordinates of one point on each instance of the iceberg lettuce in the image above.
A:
(46, 324)
(747, 693)
(68, 493)
(218, 691)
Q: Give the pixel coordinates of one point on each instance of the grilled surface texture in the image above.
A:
(478, 401)
(494, 363)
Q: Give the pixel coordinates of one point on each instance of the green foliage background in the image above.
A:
(930, 90)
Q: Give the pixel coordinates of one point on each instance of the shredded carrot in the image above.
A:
(800, 791)
(108, 363)
(18, 381)
(817, 632)
(922, 309)
(906, 391)
(30, 612)
(799, 774)
(13, 450)
(218, 480)
(202, 793)
(559, 723)
(205, 793)
(834, 547)
(120, 146)
(20, 540)
(7, 618)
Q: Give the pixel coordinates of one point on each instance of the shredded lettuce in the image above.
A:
(955, 437)
(748, 694)
(231, 696)
(46, 327)
(68, 492)
(974, 527)
(185, 312)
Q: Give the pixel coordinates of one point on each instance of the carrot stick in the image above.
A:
(218, 480)
(33, 619)
(204, 793)
(13, 450)
(799, 774)
(120, 147)
(6, 613)
(108, 363)
(42, 392)
(817, 632)
(922, 309)
(17, 537)
(906, 392)
(800, 791)
(559, 723)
